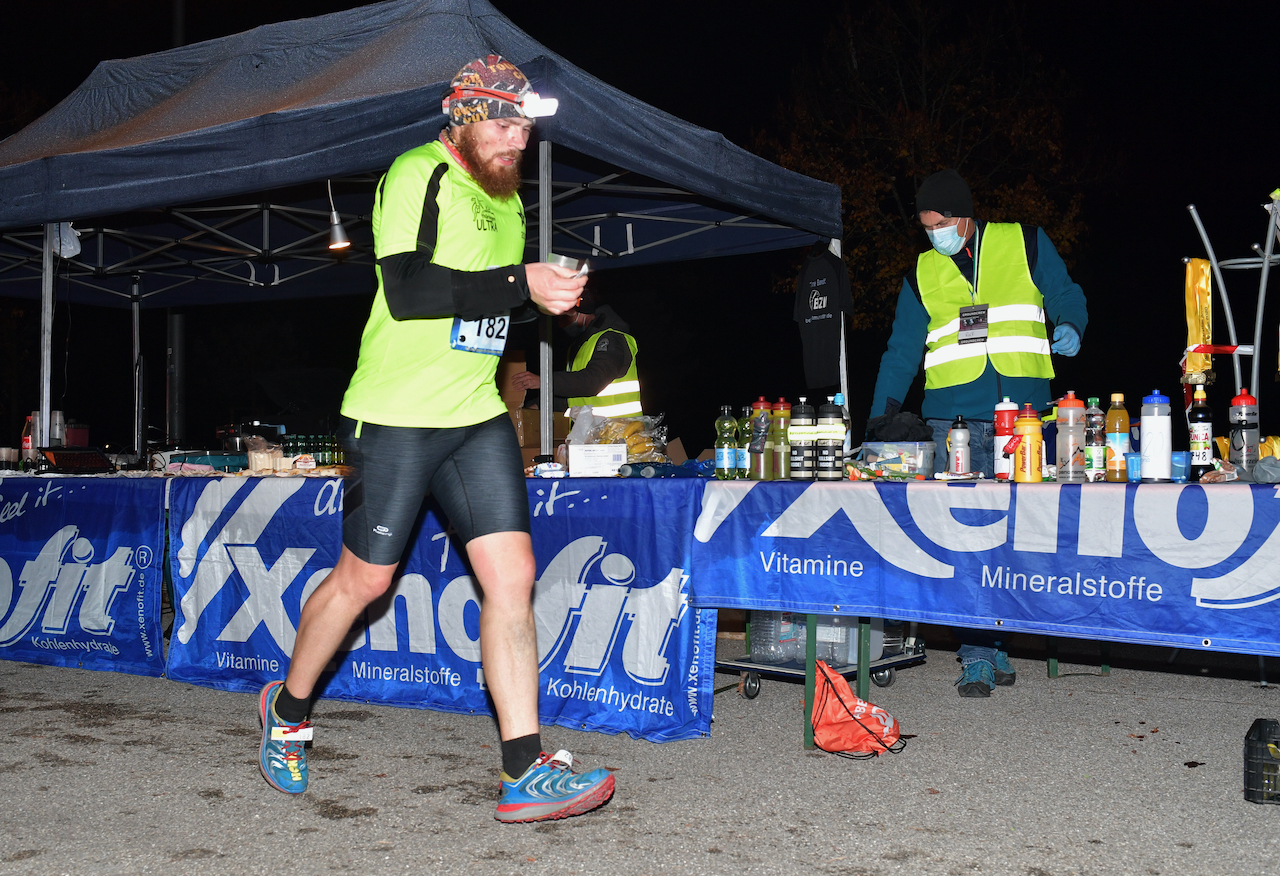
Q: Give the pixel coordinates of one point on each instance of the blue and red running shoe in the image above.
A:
(549, 789)
(282, 757)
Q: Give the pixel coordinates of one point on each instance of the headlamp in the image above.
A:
(530, 104)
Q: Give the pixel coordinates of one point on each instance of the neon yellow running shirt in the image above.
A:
(408, 374)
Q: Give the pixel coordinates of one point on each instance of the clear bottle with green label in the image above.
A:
(726, 446)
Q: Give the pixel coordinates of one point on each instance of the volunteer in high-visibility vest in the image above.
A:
(976, 304)
(602, 363)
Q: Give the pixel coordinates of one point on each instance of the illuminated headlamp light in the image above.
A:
(528, 102)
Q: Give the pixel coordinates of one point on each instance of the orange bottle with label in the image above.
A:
(1117, 439)
(1028, 454)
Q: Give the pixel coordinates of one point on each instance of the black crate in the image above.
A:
(1262, 762)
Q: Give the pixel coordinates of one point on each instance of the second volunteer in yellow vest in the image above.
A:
(602, 363)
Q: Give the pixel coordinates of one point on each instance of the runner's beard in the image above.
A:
(496, 180)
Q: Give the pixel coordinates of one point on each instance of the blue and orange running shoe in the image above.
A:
(282, 757)
(549, 789)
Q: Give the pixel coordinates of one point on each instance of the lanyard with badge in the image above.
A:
(973, 319)
(487, 335)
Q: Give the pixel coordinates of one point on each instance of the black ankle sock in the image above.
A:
(519, 754)
(289, 708)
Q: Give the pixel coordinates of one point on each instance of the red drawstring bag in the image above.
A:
(848, 726)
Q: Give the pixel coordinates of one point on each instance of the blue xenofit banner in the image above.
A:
(1169, 564)
(619, 642)
(80, 572)
(620, 648)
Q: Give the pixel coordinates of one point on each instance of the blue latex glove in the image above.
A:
(1066, 340)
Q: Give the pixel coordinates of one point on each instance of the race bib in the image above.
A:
(488, 335)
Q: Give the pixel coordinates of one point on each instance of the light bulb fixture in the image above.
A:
(337, 234)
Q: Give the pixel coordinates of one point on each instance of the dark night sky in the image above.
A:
(1179, 97)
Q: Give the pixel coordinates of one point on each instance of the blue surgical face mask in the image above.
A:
(946, 240)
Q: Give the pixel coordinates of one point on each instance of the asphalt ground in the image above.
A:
(1136, 772)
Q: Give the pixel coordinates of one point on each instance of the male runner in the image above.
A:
(422, 415)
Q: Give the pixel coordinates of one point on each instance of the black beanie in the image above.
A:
(947, 193)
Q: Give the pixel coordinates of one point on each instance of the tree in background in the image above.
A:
(902, 89)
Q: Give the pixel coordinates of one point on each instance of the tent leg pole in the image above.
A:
(545, 405)
(138, 436)
(835, 247)
(46, 333)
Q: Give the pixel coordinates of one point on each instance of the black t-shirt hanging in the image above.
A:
(822, 294)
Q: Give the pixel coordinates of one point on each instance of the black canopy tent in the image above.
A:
(246, 128)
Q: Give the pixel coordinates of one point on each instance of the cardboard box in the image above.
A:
(528, 453)
(528, 426)
(596, 460)
(675, 451)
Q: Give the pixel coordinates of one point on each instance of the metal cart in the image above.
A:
(865, 672)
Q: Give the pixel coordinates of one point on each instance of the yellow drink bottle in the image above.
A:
(1028, 456)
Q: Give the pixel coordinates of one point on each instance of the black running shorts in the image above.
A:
(475, 472)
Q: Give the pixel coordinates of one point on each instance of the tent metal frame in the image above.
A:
(211, 253)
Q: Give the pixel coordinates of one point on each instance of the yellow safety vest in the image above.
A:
(1016, 343)
(621, 398)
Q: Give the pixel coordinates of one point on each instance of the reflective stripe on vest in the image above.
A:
(1016, 344)
(621, 398)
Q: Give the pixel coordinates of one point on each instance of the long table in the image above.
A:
(621, 649)
(630, 572)
(1163, 564)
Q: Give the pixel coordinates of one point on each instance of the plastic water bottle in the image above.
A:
(795, 635)
(1200, 435)
(766, 629)
(958, 447)
(829, 441)
(1157, 439)
(1117, 439)
(1243, 435)
(833, 640)
(1006, 413)
(1071, 464)
(779, 427)
(1028, 456)
(846, 446)
(726, 445)
(800, 437)
(760, 450)
(1095, 442)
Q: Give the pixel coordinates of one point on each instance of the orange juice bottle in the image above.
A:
(1117, 439)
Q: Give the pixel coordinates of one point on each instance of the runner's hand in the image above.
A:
(553, 288)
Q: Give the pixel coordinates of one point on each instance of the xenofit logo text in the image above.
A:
(62, 578)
